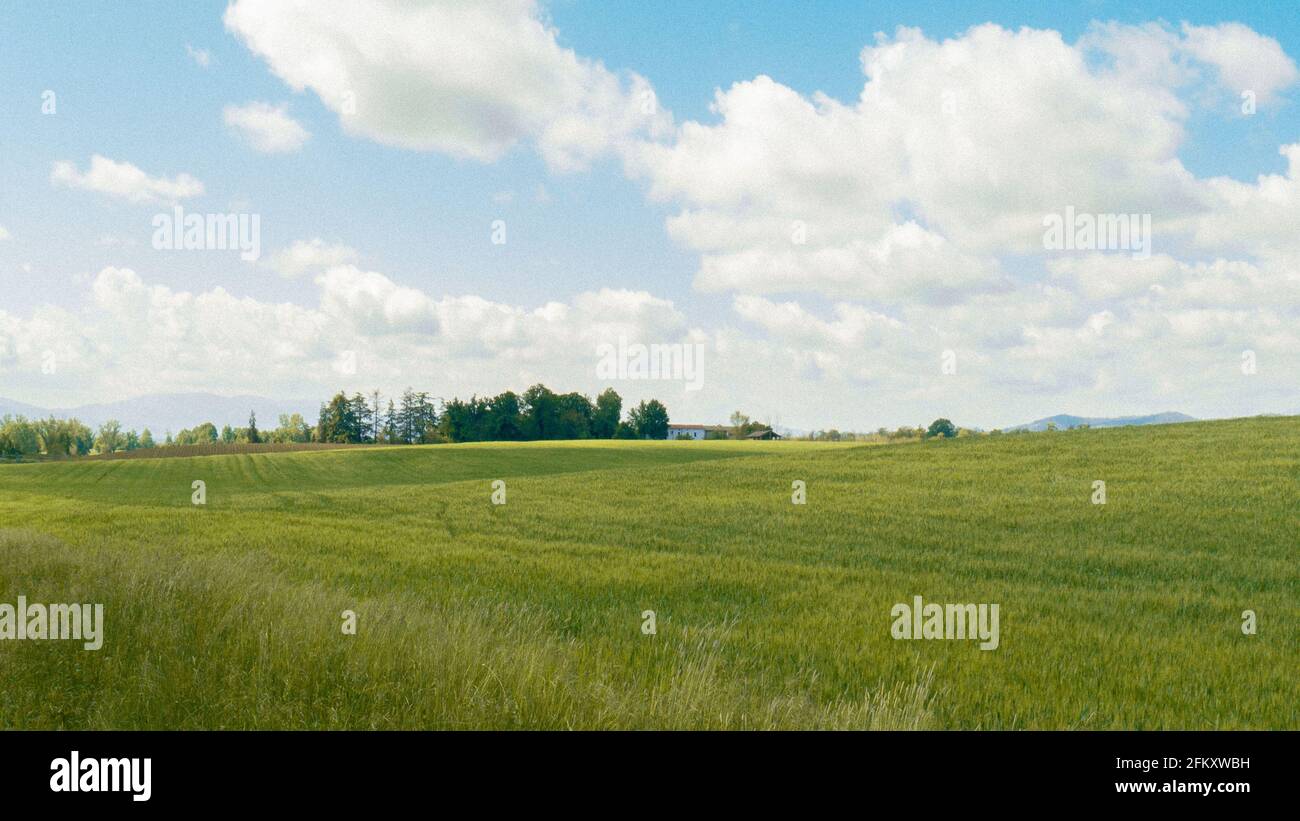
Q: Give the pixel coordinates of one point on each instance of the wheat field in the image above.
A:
(767, 614)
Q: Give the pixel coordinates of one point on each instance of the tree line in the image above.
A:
(21, 437)
(537, 413)
(411, 419)
(416, 418)
(57, 437)
(938, 429)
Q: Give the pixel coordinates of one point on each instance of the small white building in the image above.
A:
(694, 431)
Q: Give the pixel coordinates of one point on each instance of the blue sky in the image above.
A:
(631, 218)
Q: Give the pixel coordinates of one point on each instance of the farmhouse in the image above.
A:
(695, 431)
(764, 434)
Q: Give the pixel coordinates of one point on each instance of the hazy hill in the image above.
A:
(1065, 421)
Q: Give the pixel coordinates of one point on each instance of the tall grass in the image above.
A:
(769, 614)
(222, 644)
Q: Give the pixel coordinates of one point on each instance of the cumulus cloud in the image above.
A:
(1261, 219)
(132, 337)
(466, 79)
(1244, 60)
(951, 157)
(372, 304)
(853, 326)
(861, 242)
(1174, 343)
(1029, 353)
(310, 255)
(125, 181)
(266, 128)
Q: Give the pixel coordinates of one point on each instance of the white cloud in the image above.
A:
(1244, 60)
(4, 233)
(201, 56)
(126, 181)
(309, 255)
(951, 157)
(266, 128)
(905, 262)
(1172, 285)
(1020, 354)
(895, 227)
(854, 326)
(925, 200)
(372, 304)
(132, 337)
(1262, 219)
(466, 79)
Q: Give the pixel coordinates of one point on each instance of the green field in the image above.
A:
(769, 614)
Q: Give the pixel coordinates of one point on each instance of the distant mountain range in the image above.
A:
(174, 411)
(1065, 421)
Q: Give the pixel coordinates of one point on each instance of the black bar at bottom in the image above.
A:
(335, 770)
